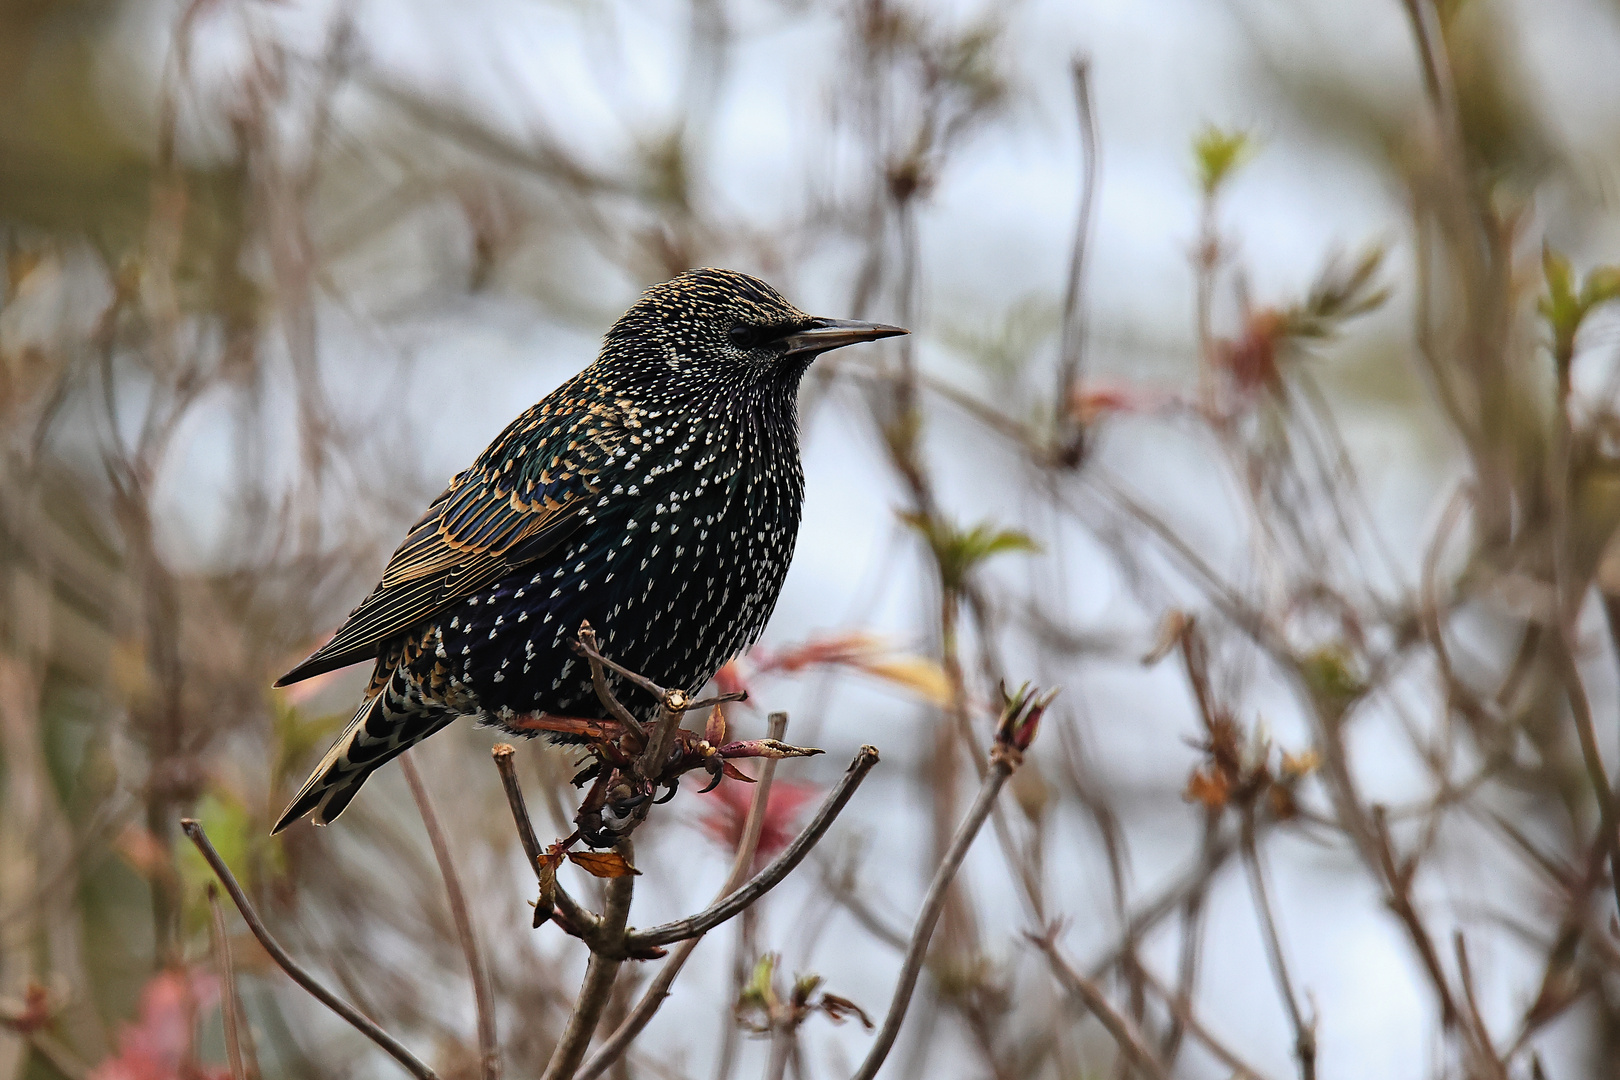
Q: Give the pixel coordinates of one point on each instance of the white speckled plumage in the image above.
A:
(656, 495)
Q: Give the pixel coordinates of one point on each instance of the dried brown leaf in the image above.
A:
(605, 864)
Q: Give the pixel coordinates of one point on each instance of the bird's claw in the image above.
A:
(717, 775)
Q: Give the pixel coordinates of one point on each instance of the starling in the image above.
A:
(656, 495)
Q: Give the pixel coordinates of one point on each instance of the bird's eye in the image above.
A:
(743, 336)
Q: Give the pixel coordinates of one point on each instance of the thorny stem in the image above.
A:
(1001, 767)
(768, 878)
(600, 974)
(616, 1044)
(1124, 1032)
(489, 1047)
(392, 1046)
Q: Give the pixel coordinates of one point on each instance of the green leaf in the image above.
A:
(1602, 286)
(1217, 154)
(958, 552)
(1330, 674)
(761, 989)
(1560, 277)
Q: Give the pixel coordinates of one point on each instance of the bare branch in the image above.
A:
(392, 1046)
(600, 975)
(230, 1004)
(604, 692)
(768, 878)
(616, 1044)
(489, 1047)
(1072, 336)
(1304, 1030)
(1001, 767)
(573, 918)
(1181, 1009)
(1125, 1033)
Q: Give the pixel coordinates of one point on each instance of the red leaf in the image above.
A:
(714, 732)
(735, 773)
(727, 807)
(158, 1044)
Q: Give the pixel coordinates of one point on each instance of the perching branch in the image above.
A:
(604, 693)
(768, 878)
(392, 1046)
(658, 991)
(600, 974)
(573, 918)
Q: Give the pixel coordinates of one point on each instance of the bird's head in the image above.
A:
(709, 322)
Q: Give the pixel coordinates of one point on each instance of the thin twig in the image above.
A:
(230, 1005)
(718, 699)
(573, 917)
(615, 1045)
(1482, 1034)
(600, 975)
(650, 765)
(768, 878)
(1304, 1030)
(392, 1046)
(1580, 708)
(590, 652)
(1125, 1033)
(1001, 768)
(1072, 336)
(604, 692)
(489, 1046)
(1181, 1009)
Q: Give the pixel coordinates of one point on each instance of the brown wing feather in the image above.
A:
(471, 536)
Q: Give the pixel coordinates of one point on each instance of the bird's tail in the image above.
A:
(375, 736)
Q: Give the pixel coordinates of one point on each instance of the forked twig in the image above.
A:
(390, 1045)
(589, 650)
(768, 878)
(604, 693)
(616, 1044)
(571, 917)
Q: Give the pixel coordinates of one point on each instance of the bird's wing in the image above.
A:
(478, 531)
